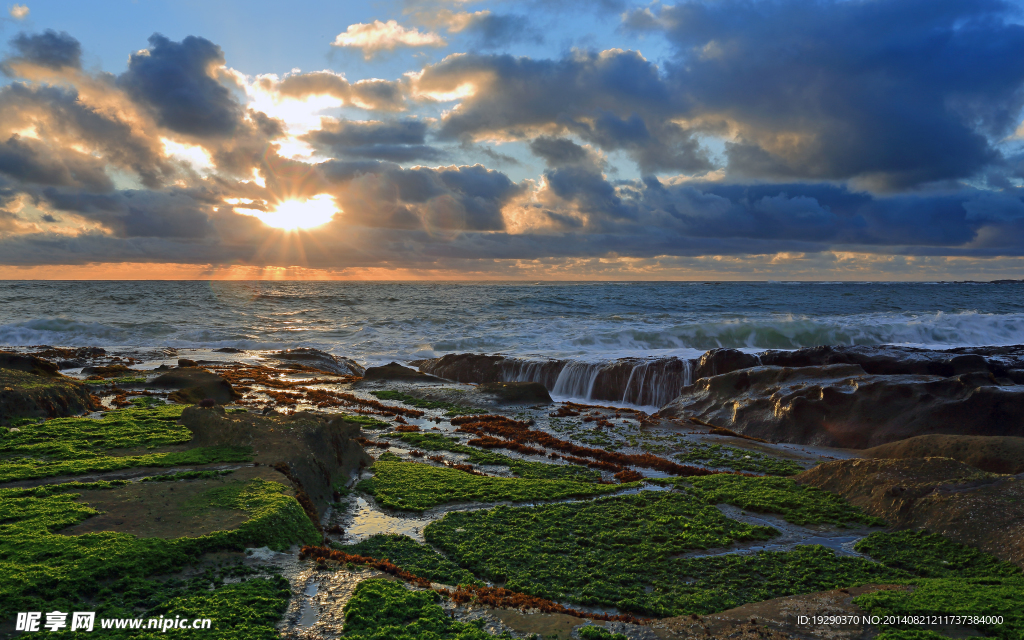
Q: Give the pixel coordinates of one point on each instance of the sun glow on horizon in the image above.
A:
(292, 215)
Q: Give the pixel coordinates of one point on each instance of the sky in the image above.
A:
(554, 140)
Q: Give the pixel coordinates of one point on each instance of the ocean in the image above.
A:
(377, 322)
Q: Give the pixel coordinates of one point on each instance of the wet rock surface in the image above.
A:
(841, 405)
(318, 359)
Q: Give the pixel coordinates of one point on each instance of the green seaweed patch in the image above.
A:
(71, 438)
(522, 468)
(414, 557)
(189, 475)
(41, 568)
(366, 422)
(985, 597)
(27, 468)
(797, 504)
(116, 381)
(629, 552)
(417, 487)
(592, 632)
(931, 555)
(450, 409)
(721, 456)
(387, 610)
(955, 579)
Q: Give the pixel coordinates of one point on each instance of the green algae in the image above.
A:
(29, 468)
(417, 487)
(386, 610)
(116, 381)
(522, 468)
(42, 570)
(955, 596)
(366, 422)
(450, 409)
(69, 446)
(721, 456)
(797, 504)
(414, 557)
(188, 475)
(624, 551)
(956, 580)
(591, 632)
(931, 555)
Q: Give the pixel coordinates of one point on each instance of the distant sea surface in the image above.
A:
(379, 322)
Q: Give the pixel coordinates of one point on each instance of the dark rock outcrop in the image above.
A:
(464, 367)
(995, 454)
(842, 405)
(897, 360)
(28, 364)
(719, 361)
(318, 359)
(195, 385)
(317, 453)
(395, 371)
(528, 392)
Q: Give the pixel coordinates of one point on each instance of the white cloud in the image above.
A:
(18, 11)
(385, 36)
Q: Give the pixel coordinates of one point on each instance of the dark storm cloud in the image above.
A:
(49, 49)
(560, 151)
(65, 120)
(894, 93)
(615, 99)
(397, 141)
(134, 214)
(491, 31)
(175, 80)
(384, 195)
(31, 161)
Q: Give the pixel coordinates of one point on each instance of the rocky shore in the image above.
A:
(636, 498)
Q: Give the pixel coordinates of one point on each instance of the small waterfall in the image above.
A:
(544, 372)
(629, 380)
(576, 380)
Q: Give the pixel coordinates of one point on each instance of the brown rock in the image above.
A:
(465, 367)
(196, 385)
(973, 507)
(995, 454)
(27, 363)
(395, 371)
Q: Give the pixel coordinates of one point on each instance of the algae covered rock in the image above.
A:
(312, 451)
(29, 395)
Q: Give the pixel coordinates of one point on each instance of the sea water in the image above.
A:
(375, 322)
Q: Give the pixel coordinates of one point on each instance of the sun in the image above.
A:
(297, 214)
